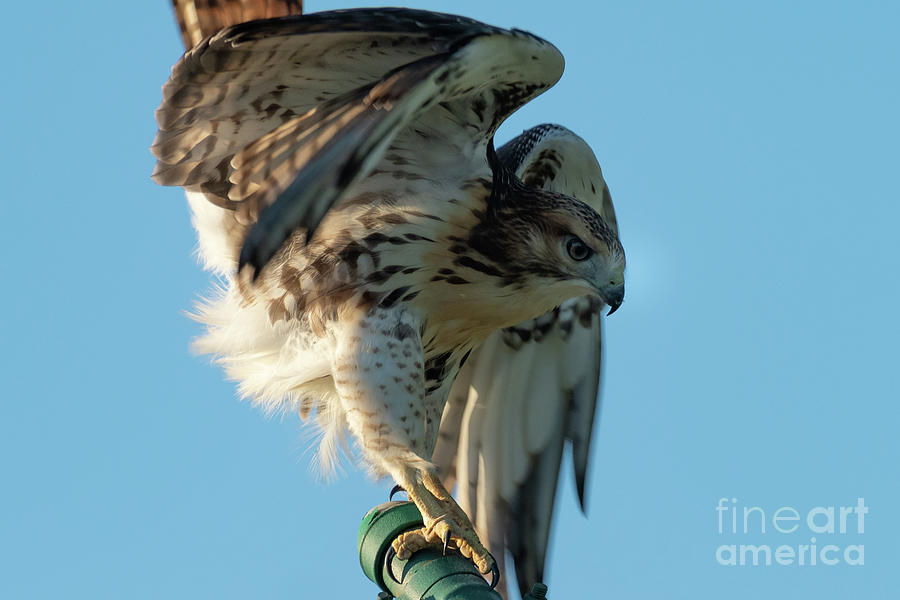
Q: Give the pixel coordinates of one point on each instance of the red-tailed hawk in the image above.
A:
(388, 272)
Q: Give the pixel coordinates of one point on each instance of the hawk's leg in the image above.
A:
(378, 372)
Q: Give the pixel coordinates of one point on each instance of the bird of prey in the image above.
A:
(386, 271)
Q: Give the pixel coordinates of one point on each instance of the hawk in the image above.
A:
(386, 271)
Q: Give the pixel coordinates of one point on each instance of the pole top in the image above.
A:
(427, 574)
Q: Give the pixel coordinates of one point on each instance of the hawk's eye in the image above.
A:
(577, 249)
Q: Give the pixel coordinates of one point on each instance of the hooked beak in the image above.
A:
(613, 296)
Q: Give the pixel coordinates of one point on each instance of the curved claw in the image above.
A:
(495, 574)
(394, 490)
(388, 563)
(446, 541)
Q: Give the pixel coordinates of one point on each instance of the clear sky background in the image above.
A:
(752, 152)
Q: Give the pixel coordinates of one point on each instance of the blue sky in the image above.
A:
(752, 152)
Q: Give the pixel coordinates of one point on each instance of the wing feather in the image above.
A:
(288, 113)
(198, 19)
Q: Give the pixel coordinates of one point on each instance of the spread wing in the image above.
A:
(198, 19)
(529, 388)
(274, 120)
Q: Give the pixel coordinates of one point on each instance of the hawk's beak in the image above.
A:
(613, 297)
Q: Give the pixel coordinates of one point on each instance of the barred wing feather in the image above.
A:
(275, 120)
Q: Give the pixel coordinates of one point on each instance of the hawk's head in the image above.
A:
(572, 244)
(552, 245)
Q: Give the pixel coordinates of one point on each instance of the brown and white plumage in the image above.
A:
(346, 161)
(198, 19)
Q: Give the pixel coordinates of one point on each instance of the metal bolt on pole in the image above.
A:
(428, 574)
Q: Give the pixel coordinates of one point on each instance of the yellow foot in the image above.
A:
(446, 526)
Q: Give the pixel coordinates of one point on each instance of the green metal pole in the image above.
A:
(427, 574)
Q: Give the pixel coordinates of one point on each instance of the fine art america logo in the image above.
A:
(820, 535)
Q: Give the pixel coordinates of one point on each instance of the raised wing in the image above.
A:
(529, 388)
(275, 120)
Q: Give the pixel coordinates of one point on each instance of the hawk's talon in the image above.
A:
(446, 541)
(388, 563)
(495, 573)
(394, 490)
